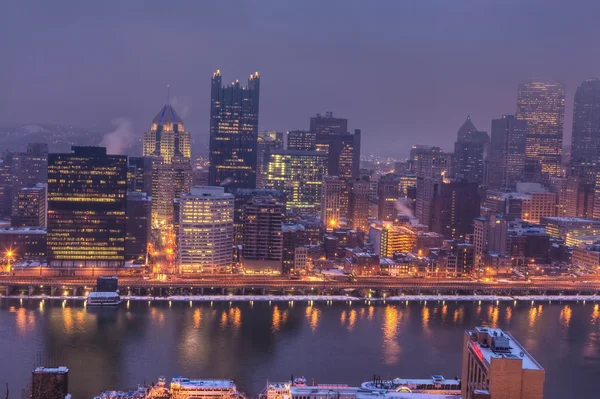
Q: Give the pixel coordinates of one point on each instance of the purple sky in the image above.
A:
(405, 72)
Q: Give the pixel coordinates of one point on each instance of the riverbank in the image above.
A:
(333, 298)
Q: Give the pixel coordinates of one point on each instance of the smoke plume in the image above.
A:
(120, 139)
(403, 208)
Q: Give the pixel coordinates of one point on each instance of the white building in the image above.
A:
(205, 230)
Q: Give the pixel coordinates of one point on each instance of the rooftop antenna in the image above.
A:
(168, 94)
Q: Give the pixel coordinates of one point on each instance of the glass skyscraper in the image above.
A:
(233, 132)
(585, 144)
(86, 208)
(542, 105)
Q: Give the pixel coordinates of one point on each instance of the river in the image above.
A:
(252, 342)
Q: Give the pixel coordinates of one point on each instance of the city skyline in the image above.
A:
(404, 56)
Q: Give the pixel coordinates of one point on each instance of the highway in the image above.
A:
(281, 283)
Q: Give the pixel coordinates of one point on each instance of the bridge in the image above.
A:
(243, 285)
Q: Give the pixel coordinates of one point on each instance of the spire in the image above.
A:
(168, 94)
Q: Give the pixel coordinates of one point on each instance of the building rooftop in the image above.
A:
(562, 219)
(186, 383)
(22, 230)
(51, 370)
(501, 345)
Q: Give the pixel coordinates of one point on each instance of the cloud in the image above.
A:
(120, 139)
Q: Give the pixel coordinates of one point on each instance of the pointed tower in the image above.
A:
(167, 136)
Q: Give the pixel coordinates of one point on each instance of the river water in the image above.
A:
(252, 342)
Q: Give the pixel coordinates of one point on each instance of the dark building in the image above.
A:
(24, 242)
(28, 169)
(302, 140)
(343, 153)
(328, 124)
(244, 196)
(6, 179)
(233, 132)
(293, 236)
(358, 207)
(585, 141)
(507, 152)
(455, 207)
(470, 151)
(86, 208)
(30, 207)
(138, 225)
(139, 174)
(388, 191)
(50, 383)
(262, 239)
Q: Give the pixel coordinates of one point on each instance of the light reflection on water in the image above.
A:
(125, 346)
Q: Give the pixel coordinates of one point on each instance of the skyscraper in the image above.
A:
(138, 222)
(167, 136)
(267, 141)
(358, 209)
(233, 132)
(331, 195)
(168, 144)
(585, 142)
(388, 191)
(29, 168)
(301, 140)
(507, 152)
(299, 174)
(431, 165)
(455, 205)
(470, 152)
(30, 208)
(139, 174)
(542, 105)
(327, 124)
(205, 230)
(86, 208)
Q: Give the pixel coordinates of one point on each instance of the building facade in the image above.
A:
(542, 106)
(262, 238)
(138, 217)
(31, 207)
(332, 191)
(86, 208)
(507, 152)
(298, 174)
(470, 153)
(205, 230)
(585, 140)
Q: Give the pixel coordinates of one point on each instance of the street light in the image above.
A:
(9, 255)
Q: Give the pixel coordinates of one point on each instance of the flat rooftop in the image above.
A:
(561, 219)
(187, 383)
(516, 351)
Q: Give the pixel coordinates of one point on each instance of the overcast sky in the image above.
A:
(403, 71)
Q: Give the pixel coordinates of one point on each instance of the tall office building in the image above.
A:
(233, 132)
(358, 209)
(343, 153)
(170, 181)
(205, 230)
(542, 105)
(332, 190)
(455, 205)
(263, 240)
(167, 136)
(29, 168)
(507, 152)
(496, 366)
(138, 224)
(168, 144)
(489, 236)
(327, 124)
(31, 207)
(244, 196)
(139, 173)
(301, 140)
(388, 191)
(86, 208)
(298, 174)
(585, 141)
(267, 142)
(470, 153)
(430, 164)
